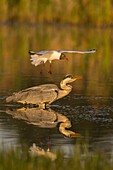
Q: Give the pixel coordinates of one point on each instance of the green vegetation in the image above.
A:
(66, 11)
(81, 160)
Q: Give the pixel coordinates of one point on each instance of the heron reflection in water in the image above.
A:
(43, 95)
(38, 58)
(44, 119)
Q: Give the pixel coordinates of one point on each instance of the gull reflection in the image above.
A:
(38, 151)
(44, 119)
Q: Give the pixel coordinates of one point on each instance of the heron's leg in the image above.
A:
(47, 105)
(50, 72)
(42, 106)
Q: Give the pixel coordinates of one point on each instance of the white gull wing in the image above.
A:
(37, 59)
(41, 52)
(44, 56)
(50, 55)
(53, 55)
(79, 52)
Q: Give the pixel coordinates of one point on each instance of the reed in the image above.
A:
(66, 11)
(82, 159)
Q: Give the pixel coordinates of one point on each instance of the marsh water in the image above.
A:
(89, 107)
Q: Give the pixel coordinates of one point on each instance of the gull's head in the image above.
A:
(63, 57)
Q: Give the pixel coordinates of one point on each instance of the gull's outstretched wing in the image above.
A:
(42, 52)
(50, 55)
(37, 53)
(79, 52)
(38, 58)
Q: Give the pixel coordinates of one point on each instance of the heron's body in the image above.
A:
(43, 94)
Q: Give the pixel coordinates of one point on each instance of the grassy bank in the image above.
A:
(81, 161)
(66, 11)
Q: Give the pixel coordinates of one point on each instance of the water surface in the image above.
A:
(88, 107)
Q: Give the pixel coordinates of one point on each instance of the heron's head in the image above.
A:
(63, 57)
(69, 78)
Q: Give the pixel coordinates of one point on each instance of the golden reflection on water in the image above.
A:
(47, 118)
(16, 71)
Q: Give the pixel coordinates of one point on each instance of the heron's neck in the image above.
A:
(64, 131)
(66, 87)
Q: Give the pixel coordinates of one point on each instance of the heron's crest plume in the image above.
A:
(68, 76)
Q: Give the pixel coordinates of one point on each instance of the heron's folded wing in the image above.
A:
(36, 94)
(39, 94)
(43, 89)
(80, 52)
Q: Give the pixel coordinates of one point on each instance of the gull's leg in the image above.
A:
(41, 70)
(41, 145)
(50, 72)
(48, 149)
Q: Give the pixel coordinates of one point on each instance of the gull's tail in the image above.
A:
(31, 52)
(35, 58)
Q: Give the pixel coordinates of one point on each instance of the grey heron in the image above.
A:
(41, 57)
(47, 118)
(45, 94)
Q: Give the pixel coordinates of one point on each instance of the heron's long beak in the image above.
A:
(77, 78)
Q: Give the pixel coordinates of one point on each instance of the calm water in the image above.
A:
(89, 107)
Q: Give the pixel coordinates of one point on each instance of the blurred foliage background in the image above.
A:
(58, 24)
(65, 25)
(74, 12)
(16, 71)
